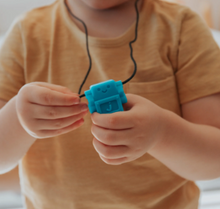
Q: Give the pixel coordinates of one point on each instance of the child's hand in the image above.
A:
(125, 136)
(46, 110)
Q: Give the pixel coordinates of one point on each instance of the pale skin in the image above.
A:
(188, 145)
(38, 111)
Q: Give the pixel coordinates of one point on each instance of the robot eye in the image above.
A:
(108, 86)
(98, 89)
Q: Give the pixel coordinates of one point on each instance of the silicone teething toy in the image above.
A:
(106, 97)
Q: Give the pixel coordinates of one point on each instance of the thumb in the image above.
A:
(54, 87)
(132, 101)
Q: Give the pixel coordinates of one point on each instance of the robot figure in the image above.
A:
(106, 97)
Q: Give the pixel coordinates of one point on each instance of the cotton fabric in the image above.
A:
(178, 62)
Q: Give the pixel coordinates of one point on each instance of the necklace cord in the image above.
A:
(87, 48)
(88, 51)
(130, 44)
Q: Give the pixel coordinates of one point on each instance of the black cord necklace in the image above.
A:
(88, 51)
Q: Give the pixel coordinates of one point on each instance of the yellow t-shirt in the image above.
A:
(178, 61)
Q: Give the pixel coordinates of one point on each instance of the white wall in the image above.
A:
(215, 9)
(9, 9)
(198, 6)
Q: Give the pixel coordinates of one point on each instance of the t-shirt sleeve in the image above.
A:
(12, 63)
(198, 69)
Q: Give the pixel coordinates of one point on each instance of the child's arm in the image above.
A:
(14, 140)
(189, 149)
(40, 110)
(192, 149)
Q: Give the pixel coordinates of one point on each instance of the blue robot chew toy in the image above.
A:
(106, 97)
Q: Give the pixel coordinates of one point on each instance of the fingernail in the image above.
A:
(84, 108)
(75, 102)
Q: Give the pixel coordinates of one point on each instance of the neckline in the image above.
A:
(123, 39)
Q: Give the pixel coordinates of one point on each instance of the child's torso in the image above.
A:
(65, 171)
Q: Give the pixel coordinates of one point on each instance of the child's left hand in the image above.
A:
(125, 136)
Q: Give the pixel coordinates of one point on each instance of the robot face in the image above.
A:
(106, 97)
(103, 89)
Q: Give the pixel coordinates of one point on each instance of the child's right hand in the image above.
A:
(47, 110)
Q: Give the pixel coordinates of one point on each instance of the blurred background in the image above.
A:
(209, 10)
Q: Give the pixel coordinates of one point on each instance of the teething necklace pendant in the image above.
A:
(106, 97)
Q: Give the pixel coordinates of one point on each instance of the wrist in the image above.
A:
(165, 125)
(20, 127)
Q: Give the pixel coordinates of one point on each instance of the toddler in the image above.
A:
(147, 156)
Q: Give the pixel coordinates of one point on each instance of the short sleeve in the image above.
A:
(12, 63)
(198, 73)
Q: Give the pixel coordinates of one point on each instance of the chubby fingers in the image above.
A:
(118, 120)
(112, 137)
(113, 146)
(110, 152)
(58, 123)
(56, 112)
(46, 96)
(118, 161)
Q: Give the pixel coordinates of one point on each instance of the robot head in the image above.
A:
(104, 89)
